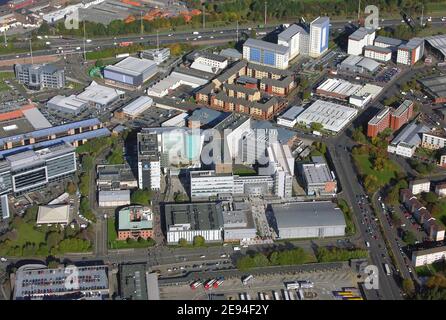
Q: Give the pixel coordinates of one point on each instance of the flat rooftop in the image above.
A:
(292, 113)
(260, 44)
(308, 214)
(361, 33)
(200, 215)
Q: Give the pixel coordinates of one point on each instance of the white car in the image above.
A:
(443, 19)
(203, 256)
(2, 259)
(223, 256)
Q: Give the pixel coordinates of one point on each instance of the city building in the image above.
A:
(281, 167)
(390, 118)
(24, 138)
(137, 106)
(319, 36)
(254, 186)
(440, 189)
(386, 42)
(428, 256)
(205, 118)
(266, 53)
(135, 222)
(207, 183)
(435, 87)
(113, 198)
(130, 73)
(410, 52)
(38, 282)
(149, 166)
(179, 120)
(434, 140)
(157, 55)
(296, 38)
(317, 219)
(188, 220)
(289, 117)
(53, 214)
(136, 283)
(231, 54)
(232, 129)
(383, 54)
(209, 62)
(238, 223)
(337, 89)
(116, 177)
(333, 117)
(4, 207)
(359, 39)
(408, 140)
(318, 178)
(39, 76)
(178, 77)
(419, 186)
(34, 169)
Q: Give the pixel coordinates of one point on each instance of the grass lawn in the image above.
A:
(116, 244)
(442, 215)
(430, 270)
(242, 170)
(383, 176)
(4, 76)
(26, 233)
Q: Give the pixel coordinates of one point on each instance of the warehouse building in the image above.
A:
(337, 88)
(266, 53)
(317, 219)
(70, 104)
(357, 64)
(135, 222)
(435, 87)
(437, 46)
(289, 117)
(137, 106)
(408, 140)
(53, 214)
(130, 73)
(318, 178)
(114, 198)
(187, 220)
(333, 117)
(99, 96)
(238, 223)
(37, 282)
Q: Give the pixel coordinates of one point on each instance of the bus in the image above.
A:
(286, 294)
(300, 294)
(354, 298)
(194, 285)
(261, 296)
(218, 282)
(209, 284)
(292, 295)
(267, 297)
(306, 284)
(246, 279)
(276, 295)
(387, 269)
(242, 296)
(345, 293)
(248, 297)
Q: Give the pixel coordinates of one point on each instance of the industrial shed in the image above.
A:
(307, 220)
(130, 72)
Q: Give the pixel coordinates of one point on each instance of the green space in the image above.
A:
(25, 239)
(336, 254)
(142, 197)
(350, 225)
(242, 170)
(5, 76)
(113, 243)
(180, 197)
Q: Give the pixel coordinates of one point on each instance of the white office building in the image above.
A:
(419, 186)
(281, 164)
(359, 39)
(319, 36)
(266, 53)
(206, 183)
(428, 256)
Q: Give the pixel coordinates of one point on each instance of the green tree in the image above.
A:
(316, 126)
(409, 238)
(71, 187)
(408, 287)
(53, 238)
(141, 197)
(182, 242)
(429, 197)
(359, 136)
(31, 214)
(199, 241)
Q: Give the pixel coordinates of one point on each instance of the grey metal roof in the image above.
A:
(389, 41)
(292, 113)
(308, 214)
(320, 21)
(438, 42)
(361, 33)
(378, 49)
(200, 215)
(411, 134)
(291, 31)
(266, 46)
(369, 64)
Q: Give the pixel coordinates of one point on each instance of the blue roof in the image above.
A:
(52, 130)
(102, 132)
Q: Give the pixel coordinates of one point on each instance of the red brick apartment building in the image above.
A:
(389, 118)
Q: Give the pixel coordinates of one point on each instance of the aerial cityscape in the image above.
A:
(222, 150)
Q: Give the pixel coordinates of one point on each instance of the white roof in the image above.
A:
(331, 115)
(69, 103)
(133, 66)
(339, 86)
(138, 106)
(197, 65)
(372, 89)
(36, 118)
(117, 195)
(53, 214)
(97, 93)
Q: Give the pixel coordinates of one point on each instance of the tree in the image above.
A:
(182, 242)
(316, 126)
(71, 188)
(359, 136)
(31, 214)
(371, 183)
(253, 34)
(199, 241)
(408, 287)
(409, 238)
(180, 197)
(99, 63)
(53, 238)
(306, 94)
(141, 197)
(429, 197)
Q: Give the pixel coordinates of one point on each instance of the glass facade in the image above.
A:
(254, 54)
(269, 58)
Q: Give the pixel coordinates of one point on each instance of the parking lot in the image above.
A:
(324, 285)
